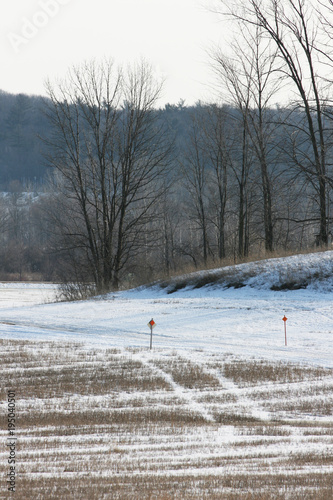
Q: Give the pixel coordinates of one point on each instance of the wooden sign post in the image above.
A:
(284, 319)
(151, 325)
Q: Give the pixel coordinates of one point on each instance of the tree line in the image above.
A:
(132, 191)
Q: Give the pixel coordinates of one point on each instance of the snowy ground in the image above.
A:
(245, 322)
(219, 407)
(24, 294)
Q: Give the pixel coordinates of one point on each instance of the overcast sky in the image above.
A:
(42, 38)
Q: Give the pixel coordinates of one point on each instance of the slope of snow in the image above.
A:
(310, 271)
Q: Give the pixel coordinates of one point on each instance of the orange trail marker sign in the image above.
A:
(151, 325)
(284, 319)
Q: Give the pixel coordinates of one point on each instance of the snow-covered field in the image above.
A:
(219, 408)
(246, 321)
(23, 294)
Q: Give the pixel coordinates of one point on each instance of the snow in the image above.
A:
(245, 322)
(19, 294)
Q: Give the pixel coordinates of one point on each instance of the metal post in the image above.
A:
(285, 333)
(151, 325)
(285, 329)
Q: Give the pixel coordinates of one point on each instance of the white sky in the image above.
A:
(42, 38)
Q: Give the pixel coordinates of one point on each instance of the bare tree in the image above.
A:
(248, 76)
(112, 154)
(195, 171)
(295, 29)
(217, 143)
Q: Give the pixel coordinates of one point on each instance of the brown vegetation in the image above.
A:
(125, 424)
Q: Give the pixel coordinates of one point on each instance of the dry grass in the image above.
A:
(188, 374)
(206, 487)
(245, 373)
(132, 424)
(105, 374)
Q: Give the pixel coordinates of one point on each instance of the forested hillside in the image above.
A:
(214, 206)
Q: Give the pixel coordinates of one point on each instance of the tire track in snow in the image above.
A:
(244, 400)
(254, 409)
(183, 393)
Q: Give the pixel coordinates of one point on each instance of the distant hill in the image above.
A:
(21, 123)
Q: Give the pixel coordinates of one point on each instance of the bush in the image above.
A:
(75, 291)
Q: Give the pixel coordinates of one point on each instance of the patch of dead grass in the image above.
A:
(94, 424)
(252, 372)
(188, 374)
